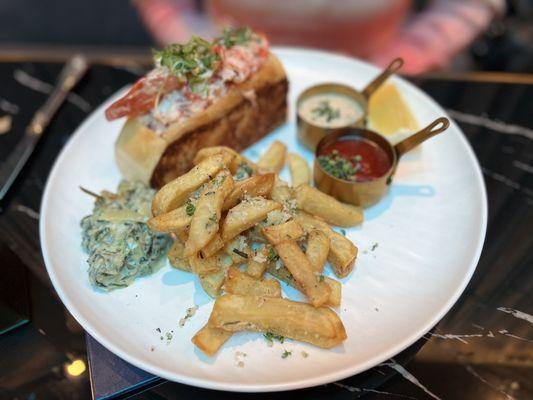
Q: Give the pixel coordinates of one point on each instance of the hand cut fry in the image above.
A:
(282, 194)
(279, 233)
(317, 249)
(176, 192)
(205, 266)
(335, 295)
(182, 235)
(342, 252)
(300, 321)
(210, 339)
(205, 220)
(257, 185)
(175, 220)
(274, 158)
(176, 257)
(212, 283)
(301, 269)
(257, 263)
(238, 159)
(283, 274)
(214, 246)
(237, 282)
(299, 169)
(238, 249)
(279, 271)
(315, 202)
(245, 215)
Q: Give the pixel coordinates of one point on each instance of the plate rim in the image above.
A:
(301, 383)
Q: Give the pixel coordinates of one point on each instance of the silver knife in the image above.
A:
(70, 75)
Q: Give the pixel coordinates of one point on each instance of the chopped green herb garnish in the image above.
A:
(374, 246)
(272, 255)
(194, 61)
(286, 354)
(243, 171)
(339, 166)
(321, 278)
(213, 218)
(235, 36)
(343, 231)
(270, 337)
(190, 208)
(240, 253)
(324, 110)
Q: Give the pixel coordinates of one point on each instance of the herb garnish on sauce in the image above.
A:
(339, 166)
(325, 110)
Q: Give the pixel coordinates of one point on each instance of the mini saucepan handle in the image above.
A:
(393, 67)
(436, 127)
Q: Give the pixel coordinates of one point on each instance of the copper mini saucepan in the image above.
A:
(368, 192)
(310, 133)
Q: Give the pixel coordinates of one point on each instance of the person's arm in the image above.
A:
(432, 39)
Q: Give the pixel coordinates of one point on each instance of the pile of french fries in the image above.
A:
(235, 221)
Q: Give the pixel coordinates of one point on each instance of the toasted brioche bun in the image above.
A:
(234, 120)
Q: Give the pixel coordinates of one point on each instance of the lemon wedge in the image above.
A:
(390, 115)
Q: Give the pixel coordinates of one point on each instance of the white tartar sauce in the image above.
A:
(330, 110)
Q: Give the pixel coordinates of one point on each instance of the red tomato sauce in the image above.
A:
(368, 159)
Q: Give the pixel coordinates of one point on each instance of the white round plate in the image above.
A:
(418, 249)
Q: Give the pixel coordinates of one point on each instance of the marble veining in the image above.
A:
(461, 338)
(354, 389)
(30, 212)
(508, 182)
(517, 314)
(523, 166)
(38, 85)
(493, 125)
(505, 332)
(475, 374)
(8, 107)
(410, 377)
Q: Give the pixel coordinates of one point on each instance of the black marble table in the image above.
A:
(482, 349)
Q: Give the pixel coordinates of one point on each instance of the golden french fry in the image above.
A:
(274, 158)
(283, 274)
(315, 202)
(282, 194)
(317, 249)
(301, 269)
(212, 283)
(238, 249)
(237, 282)
(214, 246)
(257, 185)
(175, 220)
(176, 257)
(342, 252)
(319, 326)
(257, 263)
(238, 159)
(290, 230)
(335, 295)
(299, 169)
(245, 215)
(210, 339)
(176, 192)
(182, 235)
(205, 266)
(205, 220)
(279, 271)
